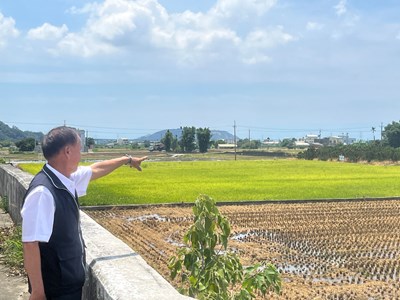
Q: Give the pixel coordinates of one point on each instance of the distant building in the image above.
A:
(335, 140)
(301, 144)
(226, 146)
(82, 134)
(310, 138)
(122, 141)
(270, 143)
(347, 140)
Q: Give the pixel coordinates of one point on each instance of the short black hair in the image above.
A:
(58, 138)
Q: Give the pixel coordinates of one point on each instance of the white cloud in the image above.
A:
(82, 45)
(313, 26)
(113, 26)
(7, 30)
(47, 32)
(241, 8)
(264, 39)
(340, 8)
(89, 7)
(348, 21)
(257, 41)
(127, 26)
(117, 19)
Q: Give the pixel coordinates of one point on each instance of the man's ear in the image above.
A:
(67, 151)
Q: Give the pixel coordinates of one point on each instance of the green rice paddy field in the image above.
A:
(167, 182)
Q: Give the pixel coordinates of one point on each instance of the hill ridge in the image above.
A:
(14, 134)
(177, 132)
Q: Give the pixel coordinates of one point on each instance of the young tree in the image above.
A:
(373, 129)
(208, 270)
(288, 143)
(167, 140)
(187, 141)
(90, 142)
(135, 145)
(203, 139)
(146, 144)
(175, 144)
(392, 134)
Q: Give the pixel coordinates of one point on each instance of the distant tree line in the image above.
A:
(191, 139)
(27, 144)
(386, 149)
(354, 152)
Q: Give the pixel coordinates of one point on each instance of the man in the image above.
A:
(54, 250)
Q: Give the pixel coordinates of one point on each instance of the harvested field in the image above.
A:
(324, 250)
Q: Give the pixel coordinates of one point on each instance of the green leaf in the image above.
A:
(211, 275)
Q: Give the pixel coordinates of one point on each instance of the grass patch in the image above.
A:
(11, 249)
(162, 182)
(4, 203)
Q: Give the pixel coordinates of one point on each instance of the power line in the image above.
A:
(143, 131)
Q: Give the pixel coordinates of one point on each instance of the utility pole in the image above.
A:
(234, 137)
(381, 130)
(249, 137)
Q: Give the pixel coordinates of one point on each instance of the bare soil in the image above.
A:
(324, 250)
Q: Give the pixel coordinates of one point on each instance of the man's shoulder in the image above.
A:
(39, 178)
(82, 171)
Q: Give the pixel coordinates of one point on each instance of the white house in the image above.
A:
(310, 138)
(122, 141)
(335, 140)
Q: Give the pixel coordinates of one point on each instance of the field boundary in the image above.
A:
(245, 202)
(323, 250)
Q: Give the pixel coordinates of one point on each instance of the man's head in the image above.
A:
(57, 139)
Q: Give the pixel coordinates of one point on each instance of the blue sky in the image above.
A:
(123, 68)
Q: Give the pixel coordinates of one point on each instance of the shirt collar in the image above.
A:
(68, 183)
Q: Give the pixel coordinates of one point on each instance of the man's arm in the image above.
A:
(104, 168)
(33, 269)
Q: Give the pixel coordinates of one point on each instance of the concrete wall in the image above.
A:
(13, 185)
(115, 271)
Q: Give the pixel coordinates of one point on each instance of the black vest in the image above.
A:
(63, 257)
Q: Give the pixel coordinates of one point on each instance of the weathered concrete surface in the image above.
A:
(115, 271)
(13, 185)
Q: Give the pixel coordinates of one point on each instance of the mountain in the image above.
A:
(14, 134)
(215, 135)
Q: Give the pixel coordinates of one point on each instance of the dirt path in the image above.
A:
(332, 250)
(11, 286)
